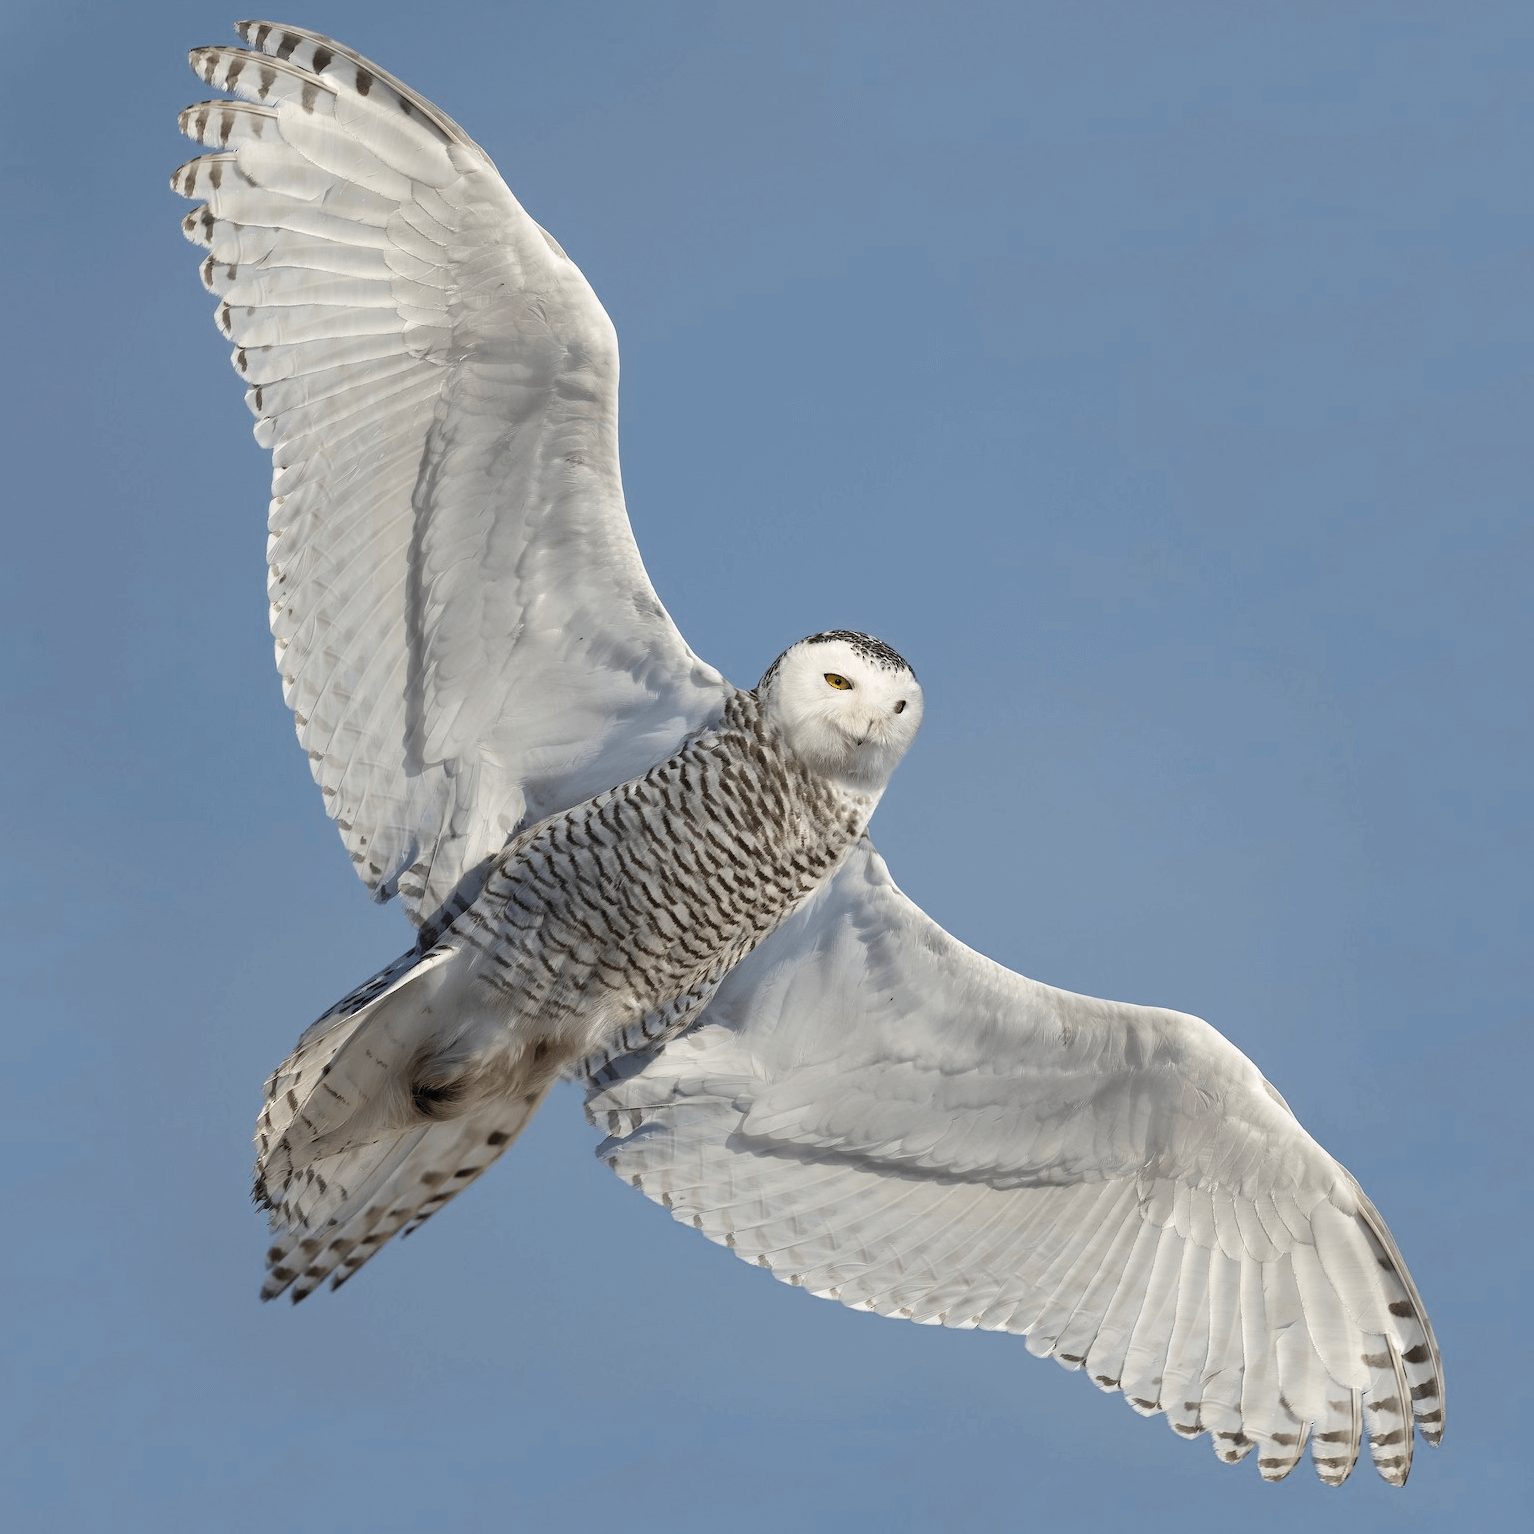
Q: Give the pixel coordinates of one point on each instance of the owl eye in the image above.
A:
(839, 682)
(900, 706)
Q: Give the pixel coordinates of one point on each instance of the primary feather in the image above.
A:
(438, 386)
(875, 1112)
(623, 868)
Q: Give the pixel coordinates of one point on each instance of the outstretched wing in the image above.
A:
(873, 1111)
(465, 631)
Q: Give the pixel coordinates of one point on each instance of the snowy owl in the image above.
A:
(624, 869)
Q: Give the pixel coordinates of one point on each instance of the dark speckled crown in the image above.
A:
(867, 647)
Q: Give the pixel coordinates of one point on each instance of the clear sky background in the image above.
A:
(1156, 377)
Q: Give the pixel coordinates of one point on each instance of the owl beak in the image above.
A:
(868, 725)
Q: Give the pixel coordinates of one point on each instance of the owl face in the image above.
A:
(846, 704)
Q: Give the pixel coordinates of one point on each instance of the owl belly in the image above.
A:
(644, 897)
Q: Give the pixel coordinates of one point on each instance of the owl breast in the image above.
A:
(652, 891)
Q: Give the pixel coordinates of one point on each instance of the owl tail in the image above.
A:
(365, 1131)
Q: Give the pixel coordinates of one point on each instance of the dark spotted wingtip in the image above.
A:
(197, 226)
(184, 178)
(204, 62)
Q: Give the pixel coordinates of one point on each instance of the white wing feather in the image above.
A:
(465, 631)
(468, 639)
(873, 1111)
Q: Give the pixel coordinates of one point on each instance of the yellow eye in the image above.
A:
(839, 682)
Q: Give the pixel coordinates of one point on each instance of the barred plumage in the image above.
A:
(660, 886)
(605, 928)
(781, 1048)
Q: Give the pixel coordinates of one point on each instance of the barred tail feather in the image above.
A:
(403, 1181)
(365, 1132)
(334, 1073)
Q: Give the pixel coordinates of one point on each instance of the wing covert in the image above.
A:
(465, 630)
(877, 1113)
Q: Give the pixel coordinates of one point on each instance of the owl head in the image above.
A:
(846, 704)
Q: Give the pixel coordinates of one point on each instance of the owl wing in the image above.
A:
(873, 1111)
(466, 634)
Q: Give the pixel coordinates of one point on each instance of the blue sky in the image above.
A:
(1156, 378)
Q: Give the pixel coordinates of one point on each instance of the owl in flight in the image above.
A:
(625, 870)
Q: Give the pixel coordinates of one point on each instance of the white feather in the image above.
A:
(1134, 1191)
(467, 634)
